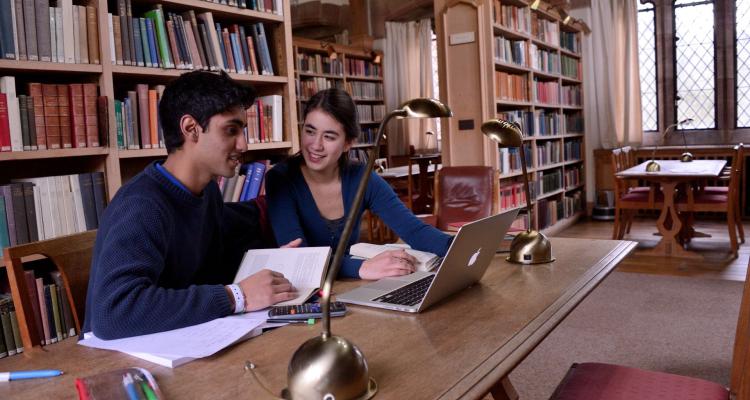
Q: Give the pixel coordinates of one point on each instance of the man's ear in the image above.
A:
(190, 128)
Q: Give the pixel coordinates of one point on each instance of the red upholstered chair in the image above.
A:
(464, 194)
(591, 381)
(630, 198)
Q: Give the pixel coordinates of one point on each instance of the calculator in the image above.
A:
(305, 311)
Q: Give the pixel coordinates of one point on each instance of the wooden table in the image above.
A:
(672, 174)
(462, 347)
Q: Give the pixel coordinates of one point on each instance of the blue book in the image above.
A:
(242, 39)
(137, 41)
(151, 35)
(247, 170)
(239, 63)
(259, 170)
(221, 45)
(144, 43)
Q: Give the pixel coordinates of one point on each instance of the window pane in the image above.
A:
(742, 29)
(694, 57)
(647, 66)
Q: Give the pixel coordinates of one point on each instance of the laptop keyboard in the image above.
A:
(408, 295)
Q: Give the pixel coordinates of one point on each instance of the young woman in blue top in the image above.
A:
(310, 194)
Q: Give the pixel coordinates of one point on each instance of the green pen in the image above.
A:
(150, 395)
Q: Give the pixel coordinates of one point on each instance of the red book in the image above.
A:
(63, 104)
(77, 116)
(91, 114)
(143, 110)
(51, 102)
(37, 103)
(4, 123)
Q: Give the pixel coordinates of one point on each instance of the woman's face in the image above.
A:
(323, 141)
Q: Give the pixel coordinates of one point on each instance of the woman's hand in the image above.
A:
(388, 263)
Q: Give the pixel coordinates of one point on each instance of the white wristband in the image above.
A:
(239, 298)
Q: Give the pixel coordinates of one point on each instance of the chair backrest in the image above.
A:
(464, 194)
(629, 156)
(71, 255)
(740, 379)
(267, 236)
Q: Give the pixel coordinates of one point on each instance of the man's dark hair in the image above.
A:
(338, 104)
(201, 95)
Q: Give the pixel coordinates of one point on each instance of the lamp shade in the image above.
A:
(423, 107)
(506, 134)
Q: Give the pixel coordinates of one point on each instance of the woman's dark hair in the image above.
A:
(338, 104)
(201, 95)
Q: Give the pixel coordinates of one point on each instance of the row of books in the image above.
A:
(547, 92)
(510, 16)
(537, 122)
(363, 68)
(551, 211)
(367, 135)
(510, 51)
(545, 30)
(42, 208)
(51, 116)
(573, 177)
(365, 90)
(309, 86)
(574, 122)
(246, 185)
(269, 6)
(510, 86)
(137, 118)
(573, 150)
(570, 41)
(52, 312)
(548, 152)
(317, 63)
(370, 113)
(571, 95)
(571, 67)
(546, 182)
(544, 60)
(32, 30)
(511, 195)
(10, 335)
(510, 159)
(188, 40)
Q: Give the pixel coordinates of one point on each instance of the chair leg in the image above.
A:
(616, 228)
(731, 222)
(738, 221)
(631, 216)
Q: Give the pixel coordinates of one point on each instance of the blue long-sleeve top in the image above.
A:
(293, 213)
(163, 255)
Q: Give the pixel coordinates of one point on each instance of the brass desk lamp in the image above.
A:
(653, 165)
(330, 367)
(529, 247)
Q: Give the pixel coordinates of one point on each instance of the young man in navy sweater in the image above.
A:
(168, 247)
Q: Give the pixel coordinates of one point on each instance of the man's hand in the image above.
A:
(293, 243)
(388, 263)
(265, 288)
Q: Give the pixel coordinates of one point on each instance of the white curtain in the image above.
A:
(612, 93)
(408, 74)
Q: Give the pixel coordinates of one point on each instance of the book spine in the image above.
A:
(7, 44)
(102, 121)
(16, 331)
(152, 42)
(19, 213)
(76, 35)
(92, 29)
(83, 41)
(29, 18)
(43, 310)
(10, 343)
(172, 39)
(66, 9)
(43, 34)
(59, 38)
(23, 110)
(51, 114)
(189, 17)
(153, 121)
(136, 29)
(50, 314)
(157, 17)
(91, 114)
(77, 118)
(143, 110)
(53, 296)
(144, 42)
(10, 215)
(100, 195)
(118, 125)
(29, 207)
(210, 57)
(5, 144)
(4, 236)
(3, 347)
(117, 39)
(20, 30)
(125, 43)
(36, 105)
(63, 103)
(34, 301)
(86, 186)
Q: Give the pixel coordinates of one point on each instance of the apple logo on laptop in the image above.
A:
(473, 257)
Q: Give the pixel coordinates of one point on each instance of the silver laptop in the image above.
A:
(467, 259)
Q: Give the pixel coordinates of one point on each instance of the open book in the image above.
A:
(426, 261)
(304, 267)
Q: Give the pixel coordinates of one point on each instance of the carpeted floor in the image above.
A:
(672, 324)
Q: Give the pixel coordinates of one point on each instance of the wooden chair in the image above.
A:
(463, 194)
(698, 200)
(71, 255)
(738, 164)
(591, 381)
(630, 198)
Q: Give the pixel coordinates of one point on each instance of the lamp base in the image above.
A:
(329, 368)
(530, 247)
(653, 166)
(687, 157)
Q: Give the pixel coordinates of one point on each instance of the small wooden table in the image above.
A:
(463, 347)
(673, 173)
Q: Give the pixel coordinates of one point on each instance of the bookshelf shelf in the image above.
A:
(363, 78)
(269, 146)
(173, 73)
(314, 75)
(57, 153)
(362, 145)
(125, 154)
(218, 10)
(11, 66)
(492, 93)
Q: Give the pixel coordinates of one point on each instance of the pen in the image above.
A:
(147, 391)
(127, 383)
(16, 375)
(309, 321)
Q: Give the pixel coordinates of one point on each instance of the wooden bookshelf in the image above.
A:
(486, 45)
(342, 77)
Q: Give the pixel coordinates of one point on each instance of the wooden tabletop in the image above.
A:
(456, 349)
(677, 168)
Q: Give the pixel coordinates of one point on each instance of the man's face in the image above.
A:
(219, 147)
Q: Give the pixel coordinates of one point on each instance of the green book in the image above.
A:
(16, 331)
(157, 17)
(55, 311)
(10, 344)
(3, 348)
(4, 237)
(118, 124)
(144, 43)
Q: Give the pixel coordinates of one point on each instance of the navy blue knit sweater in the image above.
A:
(162, 257)
(293, 213)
